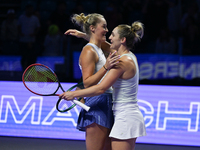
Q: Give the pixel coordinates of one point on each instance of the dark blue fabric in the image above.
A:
(100, 112)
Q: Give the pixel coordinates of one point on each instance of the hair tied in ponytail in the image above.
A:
(132, 29)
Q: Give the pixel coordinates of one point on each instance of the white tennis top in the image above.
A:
(126, 90)
(100, 63)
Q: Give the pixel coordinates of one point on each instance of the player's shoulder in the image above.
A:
(88, 53)
(88, 49)
(126, 61)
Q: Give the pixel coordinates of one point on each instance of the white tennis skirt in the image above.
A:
(129, 121)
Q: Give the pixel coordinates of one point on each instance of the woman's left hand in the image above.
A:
(112, 60)
(76, 33)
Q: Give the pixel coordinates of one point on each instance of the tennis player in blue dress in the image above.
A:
(98, 121)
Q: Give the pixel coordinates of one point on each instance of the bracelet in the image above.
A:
(105, 68)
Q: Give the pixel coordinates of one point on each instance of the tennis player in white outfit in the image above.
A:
(124, 77)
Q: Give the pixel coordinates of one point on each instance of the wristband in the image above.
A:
(105, 68)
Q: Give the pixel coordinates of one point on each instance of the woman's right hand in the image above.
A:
(111, 60)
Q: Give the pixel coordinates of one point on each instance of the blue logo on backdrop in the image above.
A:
(168, 66)
(167, 110)
(152, 66)
(161, 66)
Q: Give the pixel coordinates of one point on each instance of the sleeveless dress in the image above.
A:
(101, 105)
(128, 119)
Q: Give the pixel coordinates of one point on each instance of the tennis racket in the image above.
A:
(41, 80)
(61, 103)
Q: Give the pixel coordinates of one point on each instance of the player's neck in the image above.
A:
(95, 42)
(123, 50)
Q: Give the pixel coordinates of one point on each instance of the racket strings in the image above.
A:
(41, 80)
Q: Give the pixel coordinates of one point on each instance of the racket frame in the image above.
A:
(54, 94)
(38, 64)
(60, 99)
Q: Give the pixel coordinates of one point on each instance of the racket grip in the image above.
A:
(81, 105)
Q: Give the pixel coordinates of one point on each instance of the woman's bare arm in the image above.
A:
(88, 59)
(77, 34)
(107, 82)
(105, 45)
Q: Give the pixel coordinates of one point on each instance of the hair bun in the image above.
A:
(137, 28)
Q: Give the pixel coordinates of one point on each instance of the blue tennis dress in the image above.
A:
(100, 106)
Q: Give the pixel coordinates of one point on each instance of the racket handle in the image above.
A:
(81, 105)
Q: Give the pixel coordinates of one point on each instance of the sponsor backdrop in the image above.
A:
(13, 63)
(171, 114)
(155, 66)
(151, 66)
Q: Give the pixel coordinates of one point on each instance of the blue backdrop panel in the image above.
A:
(171, 114)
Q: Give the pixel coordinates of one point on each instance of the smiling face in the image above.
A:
(100, 30)
(114, 39)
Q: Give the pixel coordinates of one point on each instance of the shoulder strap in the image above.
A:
(94, 48)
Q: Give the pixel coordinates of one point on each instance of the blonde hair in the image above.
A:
(132, 33)
(84, 21)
